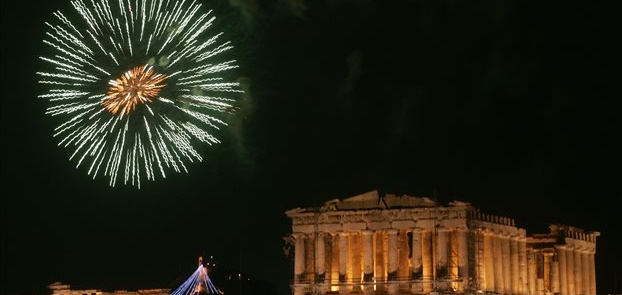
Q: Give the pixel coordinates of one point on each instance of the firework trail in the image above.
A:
(138, 85)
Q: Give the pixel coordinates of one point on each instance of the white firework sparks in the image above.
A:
(138, 84)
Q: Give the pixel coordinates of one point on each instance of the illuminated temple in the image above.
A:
(409, 245)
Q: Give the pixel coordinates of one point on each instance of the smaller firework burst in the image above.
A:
(138, 85)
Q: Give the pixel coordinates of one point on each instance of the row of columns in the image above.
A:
(384, 256)
(504, 264)
(577, 272)
(509, 268)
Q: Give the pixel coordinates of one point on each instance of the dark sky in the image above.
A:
(513, 106)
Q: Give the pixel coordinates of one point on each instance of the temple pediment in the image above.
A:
(405, 201)
(372, 200)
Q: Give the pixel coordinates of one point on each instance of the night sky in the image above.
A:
(513, 106)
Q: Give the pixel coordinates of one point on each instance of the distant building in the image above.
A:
(411, 245)
(63, 289)
(199, 283)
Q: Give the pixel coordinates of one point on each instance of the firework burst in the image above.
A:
(138, 85)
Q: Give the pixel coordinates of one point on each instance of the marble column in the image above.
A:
(578, 276)
(585, 271)
(343, 256)
(532, 266)
(380, 270)
(416, 259)
(479, 276)
(320, 258)
(498, 264)
(355, 266)
(540, 286)
(546, 271)
(463, 258)
(514, 273)
(368, 255)
(489, 256)
(506, 262)
(427, 260)
(592, 273)
(334, 259)
(299, 264)
(570, 271)
(299, 258)
(522, 257)
(392, 263)
(309, 259)
(555, 274)
(563, 273)
(403, 256)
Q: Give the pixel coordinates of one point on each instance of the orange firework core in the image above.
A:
(138, 85)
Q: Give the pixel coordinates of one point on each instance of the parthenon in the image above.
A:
(369, 244)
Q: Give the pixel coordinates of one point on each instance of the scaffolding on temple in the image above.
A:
(198, 283)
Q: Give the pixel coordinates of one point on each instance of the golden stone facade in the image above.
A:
(410, 245)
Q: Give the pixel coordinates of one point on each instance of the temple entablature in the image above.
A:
(370, 212)
(568, 233)
(567, 238)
